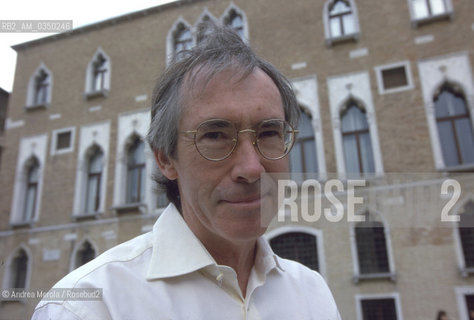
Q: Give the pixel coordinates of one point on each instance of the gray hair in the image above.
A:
(221, 49)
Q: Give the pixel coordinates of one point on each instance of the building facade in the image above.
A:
(387, 102)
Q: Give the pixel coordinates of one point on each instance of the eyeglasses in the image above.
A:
(216, 139)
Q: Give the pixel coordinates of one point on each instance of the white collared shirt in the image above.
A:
(168, 274)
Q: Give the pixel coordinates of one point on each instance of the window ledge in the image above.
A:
(466, 272)
(375, 276)
(460, 168)
(131, 208)
(87, 215)
(95, 94)
(22, 224)
(345, 38)
(37, 106)
(421, 21)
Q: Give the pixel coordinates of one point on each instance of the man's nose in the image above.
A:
(247, 161)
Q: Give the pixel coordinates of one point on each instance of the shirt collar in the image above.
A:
(177, 251)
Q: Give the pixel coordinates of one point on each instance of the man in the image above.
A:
(221, 118)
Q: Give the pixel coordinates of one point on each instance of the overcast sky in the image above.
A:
(81, 12)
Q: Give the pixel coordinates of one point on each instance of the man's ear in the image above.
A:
(166, 165)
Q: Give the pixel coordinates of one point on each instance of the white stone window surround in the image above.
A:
(170, 38)
(330, 40)
(54, 140)
(228, 11)
(461, 292)
(434, 72)
(458, 210)
(343, 88)
(378, 74)
(8, 276)
(357, 276)
(89, 92)
(30, 147)
(133, 124)
(318, 234)
(393, 295)
(449, 13)
(77, 247)
(91, 135)
(306, 91)
(31, 91)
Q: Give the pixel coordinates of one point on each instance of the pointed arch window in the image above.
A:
(94, 177)
(341, 19)
(454, 126)
(298, 246)
(85, 254)
(19, 269)
(41, 88)
(357, 144)
(136, 172)
(371, 246)
(31, 190)
(466, 234)
(236, 22)
(202, 28)
(99, 73)
(183, 40)
(303, 156)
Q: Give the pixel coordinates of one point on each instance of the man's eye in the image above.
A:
(269, 134)
(214, 135)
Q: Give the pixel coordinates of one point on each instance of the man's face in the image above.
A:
(222, 200)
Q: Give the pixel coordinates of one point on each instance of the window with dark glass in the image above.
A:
(454, 127)
(31, 190)
(466, 234)
(394, 77)
(371, 248)
(41, 88)
(136, 172)
(203, 29)
(303, 157)
(183, 40)
(99, 73)
(470, 305)
(63, 140)
(428, 8)
(298, 246)
(19, 268)
(235, 21)
(356, 140)
(85, 254)
(94, 177)
(378, 309)
(341, 19)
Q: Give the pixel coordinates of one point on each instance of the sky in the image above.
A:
(81, 13)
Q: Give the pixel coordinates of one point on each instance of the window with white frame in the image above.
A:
(94, 180)
(91, 171)
(372, 254)
(84, 254)
(394, 77)
(454, 126)
(466, 235)
(303, 158)
(428, 9)
(340, 19)
(39, 88)
(356, 138)
(381, 308)
(236, 19)
(465, 300)
(63, 140)
(298, 246)
(27, 190)
(136, 171)
(18, 269)
(98, 75)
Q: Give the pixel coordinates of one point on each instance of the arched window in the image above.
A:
(356, 140)
(303, 155)
(183, 40)
(235, 21)
(19, 269)
(466, 234)
(41, 88)
(99, 72)
(454, 127)
(341, 19)
(136, 172)
(31, 190)
(84, 254)
(202, 24)
(298, 246)
(94, 177)
(371, 247)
